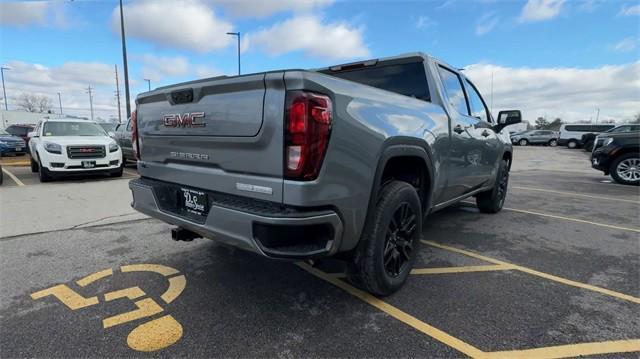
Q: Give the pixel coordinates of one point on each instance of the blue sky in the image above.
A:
(502, 35)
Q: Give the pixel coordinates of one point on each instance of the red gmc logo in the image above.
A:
(87, 150)
(193, 119)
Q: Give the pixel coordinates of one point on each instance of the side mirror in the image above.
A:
(506, 118)
(111, 134)
(31, 134)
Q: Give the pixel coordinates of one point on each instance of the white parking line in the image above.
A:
(13, 177)
(575, 194)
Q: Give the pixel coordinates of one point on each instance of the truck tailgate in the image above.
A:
(221, 134)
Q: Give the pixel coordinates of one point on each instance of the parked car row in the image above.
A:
(10, 144)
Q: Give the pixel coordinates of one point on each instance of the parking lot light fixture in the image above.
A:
(148, 84)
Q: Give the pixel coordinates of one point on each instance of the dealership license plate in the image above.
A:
(194, 201)
(88, 164)
(18, 148)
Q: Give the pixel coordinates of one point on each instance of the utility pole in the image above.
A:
(148, 83)
(124, 60)
(118, 96)
(90, 100)
(238, 35)
(4, 91)
(60, 102)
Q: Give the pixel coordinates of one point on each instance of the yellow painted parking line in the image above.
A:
(537, 273)
(396, 313)
(131, 293)
(155, 335)
(637, 230)
(67, 296)
(13, 177)
(571, 350)
(157, 268)
(130, 173)
(464, 269)
(176, 286)
(575, 194)
(94, 277)
(554, 216)
(146, 308)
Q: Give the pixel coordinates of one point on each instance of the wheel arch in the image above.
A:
(400, 149)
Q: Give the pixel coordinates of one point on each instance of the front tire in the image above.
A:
(492, 201)
(34, 165)
(523, 142)
(43, 173)
(626, 169)
(390, 241)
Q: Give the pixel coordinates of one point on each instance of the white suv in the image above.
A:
(71, 146)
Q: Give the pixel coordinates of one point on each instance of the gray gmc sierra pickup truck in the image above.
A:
(343, 161)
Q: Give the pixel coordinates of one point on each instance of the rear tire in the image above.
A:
(390, 241)
(588, 147)
(523, 142)
(492, 201)
(572, 144)
(626, 169)
(553, 143)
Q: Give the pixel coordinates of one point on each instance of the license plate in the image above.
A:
(194, 201)
(88, 164)
(18, 148)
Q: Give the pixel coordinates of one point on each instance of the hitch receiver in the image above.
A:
(181, 234)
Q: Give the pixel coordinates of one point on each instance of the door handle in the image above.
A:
(458, 129)
(485, 133)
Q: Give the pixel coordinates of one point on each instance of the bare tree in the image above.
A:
(34, 103)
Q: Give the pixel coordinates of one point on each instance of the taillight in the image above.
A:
(134, 134)
(307, 126)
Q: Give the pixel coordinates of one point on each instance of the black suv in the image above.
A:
(619, 156)
(589, 139)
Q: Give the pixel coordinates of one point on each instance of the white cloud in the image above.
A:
(155, 68)
(336, 40)
(541, 10)
(569, 93)
(71, 79)
(625, 45)
(630, 11)
(264, 8)
(425, 22)
(23, 13)
(486, 23)
(183, 24)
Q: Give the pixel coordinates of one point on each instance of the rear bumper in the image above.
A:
(270, 230)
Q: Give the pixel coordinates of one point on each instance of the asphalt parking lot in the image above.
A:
(555, 274)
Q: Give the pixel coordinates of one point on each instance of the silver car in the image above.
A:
(538, 137)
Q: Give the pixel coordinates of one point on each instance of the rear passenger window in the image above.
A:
(453, 87)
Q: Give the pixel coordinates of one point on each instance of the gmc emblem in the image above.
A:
(87, 150)
(193, 119)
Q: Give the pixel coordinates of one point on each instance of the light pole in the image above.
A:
(90, 100)
(4, 91)
(238, 35)
(148, 83)
(60, 102)
(124, 60)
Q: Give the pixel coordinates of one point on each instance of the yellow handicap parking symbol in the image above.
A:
(152, 335)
